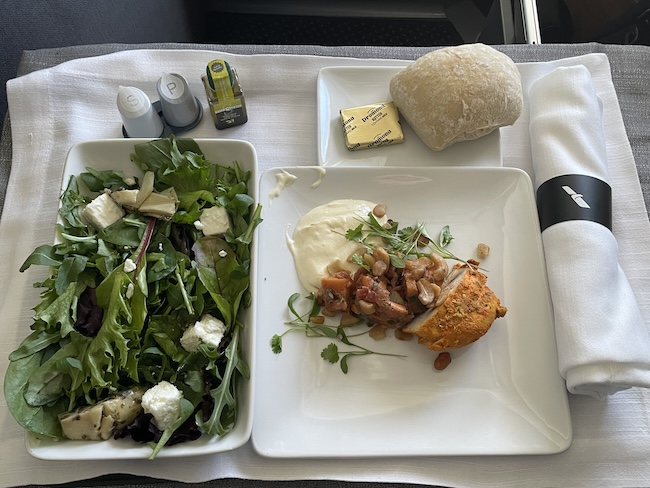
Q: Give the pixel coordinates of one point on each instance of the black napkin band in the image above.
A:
(574, 197)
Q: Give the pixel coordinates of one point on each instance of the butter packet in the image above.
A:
(371, 126)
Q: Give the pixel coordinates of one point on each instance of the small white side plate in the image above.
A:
(113, 154)
(502, 395)
(346, 86)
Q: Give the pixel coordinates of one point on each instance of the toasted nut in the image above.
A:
(379, 268)
(403, 336)
(328, 313)
(398, 308)
(334, 267)
(482, 250)
(379, 210)
(366, 308)
(381, 254)
(442, 361)
(410, 288)
(348, 319)
(378, 332)
(427, 292)
(440, 267)
(359, 251)
(369, 259)
(317, 319)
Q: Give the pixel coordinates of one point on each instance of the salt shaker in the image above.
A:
(138, 115)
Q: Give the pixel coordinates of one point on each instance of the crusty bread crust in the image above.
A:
(465, 316)
(458, 93)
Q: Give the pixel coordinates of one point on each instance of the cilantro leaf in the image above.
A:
(330, 353)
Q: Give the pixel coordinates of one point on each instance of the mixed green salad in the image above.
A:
(126, 284)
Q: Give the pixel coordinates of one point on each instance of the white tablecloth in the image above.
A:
(55, 108)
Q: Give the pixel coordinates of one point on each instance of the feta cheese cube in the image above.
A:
(103, 211)
(214, 221)
(163, 401)
(209, 330)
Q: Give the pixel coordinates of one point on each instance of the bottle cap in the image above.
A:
(138, 115)
(179, 107)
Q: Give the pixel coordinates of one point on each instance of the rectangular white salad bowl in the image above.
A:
(114, 154)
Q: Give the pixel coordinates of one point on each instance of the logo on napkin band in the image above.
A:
(574, 197)
(577, 197)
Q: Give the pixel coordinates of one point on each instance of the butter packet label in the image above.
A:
(371, 126)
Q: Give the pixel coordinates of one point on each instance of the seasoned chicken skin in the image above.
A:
(464, 311)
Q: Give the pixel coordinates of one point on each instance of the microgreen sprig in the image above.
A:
(401, 244)
(303, 322)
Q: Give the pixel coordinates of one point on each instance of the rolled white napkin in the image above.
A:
(603, 342)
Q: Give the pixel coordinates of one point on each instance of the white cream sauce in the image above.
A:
(282, 180)
(319, 239)
(320, 173)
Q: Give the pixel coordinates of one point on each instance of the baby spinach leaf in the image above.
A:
(40, 420)
(219, 272)
(69, 271)
(99, 180)
(35, 342)
(48, 383)
(45, 255)
(136, 338)
(71, 204)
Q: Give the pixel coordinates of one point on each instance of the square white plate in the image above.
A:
(114, 154)
(348, 86)
(501, 395)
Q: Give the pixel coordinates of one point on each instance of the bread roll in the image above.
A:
(458, 93)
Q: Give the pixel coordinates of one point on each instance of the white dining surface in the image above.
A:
(54, 108)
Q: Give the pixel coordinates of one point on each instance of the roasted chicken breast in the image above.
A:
(464, 311)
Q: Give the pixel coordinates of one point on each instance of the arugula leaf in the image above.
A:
(224, 413)
(145, 311)
(186, 411)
